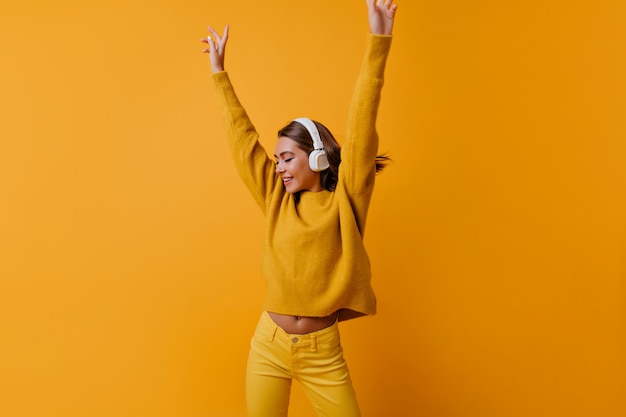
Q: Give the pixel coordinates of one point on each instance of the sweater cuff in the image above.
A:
(381, 43)
(219, 77)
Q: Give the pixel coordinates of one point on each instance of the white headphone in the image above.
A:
(317, 158)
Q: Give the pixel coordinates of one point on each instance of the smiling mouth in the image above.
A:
(287, 180)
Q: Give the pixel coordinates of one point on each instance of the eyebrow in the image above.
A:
(283, 152)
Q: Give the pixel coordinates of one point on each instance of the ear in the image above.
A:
(318, 161)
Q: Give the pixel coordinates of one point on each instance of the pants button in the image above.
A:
(294, 340)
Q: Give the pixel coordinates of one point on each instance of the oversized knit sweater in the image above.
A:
(314, 259)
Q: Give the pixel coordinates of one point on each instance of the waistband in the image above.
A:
(273, 331)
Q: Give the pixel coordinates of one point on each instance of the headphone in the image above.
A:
(317, 158)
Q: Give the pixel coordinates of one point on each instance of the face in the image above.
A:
(292, 165)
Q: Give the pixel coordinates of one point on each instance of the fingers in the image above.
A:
(208, 40)
(388, 8)
(392, 9)
(225, 34)
(216, 36)
(388, 5)
(385, 4)
(215, 41)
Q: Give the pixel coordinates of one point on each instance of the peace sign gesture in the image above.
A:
(381, 14)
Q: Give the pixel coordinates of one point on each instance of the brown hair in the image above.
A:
(298, 133)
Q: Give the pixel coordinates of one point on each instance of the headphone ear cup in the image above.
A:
(318, 161)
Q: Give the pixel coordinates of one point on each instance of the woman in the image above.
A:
(315, 198)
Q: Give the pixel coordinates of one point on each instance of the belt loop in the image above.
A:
(313, 343)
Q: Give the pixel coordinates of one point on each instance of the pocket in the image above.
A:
(265, 329)
(331, 340)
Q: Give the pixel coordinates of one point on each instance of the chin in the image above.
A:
(292, 188)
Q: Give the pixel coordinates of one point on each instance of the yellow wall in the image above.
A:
(129, 257)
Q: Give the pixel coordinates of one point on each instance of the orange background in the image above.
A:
(130, 251)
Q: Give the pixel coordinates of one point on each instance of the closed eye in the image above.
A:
(284, 160)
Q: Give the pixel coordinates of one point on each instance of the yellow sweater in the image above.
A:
(314, 260)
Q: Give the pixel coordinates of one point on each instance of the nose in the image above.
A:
(280, 168)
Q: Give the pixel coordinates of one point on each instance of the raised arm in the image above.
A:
(251, 160)
(360, 148)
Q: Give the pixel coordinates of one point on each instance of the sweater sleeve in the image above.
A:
(358, 154)
(253, 164)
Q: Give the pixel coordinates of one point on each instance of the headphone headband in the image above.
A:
(315, 134)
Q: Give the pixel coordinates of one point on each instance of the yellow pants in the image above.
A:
(314, 359)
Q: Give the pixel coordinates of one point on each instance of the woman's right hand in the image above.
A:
(216, 49)
(381, 14)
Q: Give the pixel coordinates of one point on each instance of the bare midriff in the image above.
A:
(302, 324)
